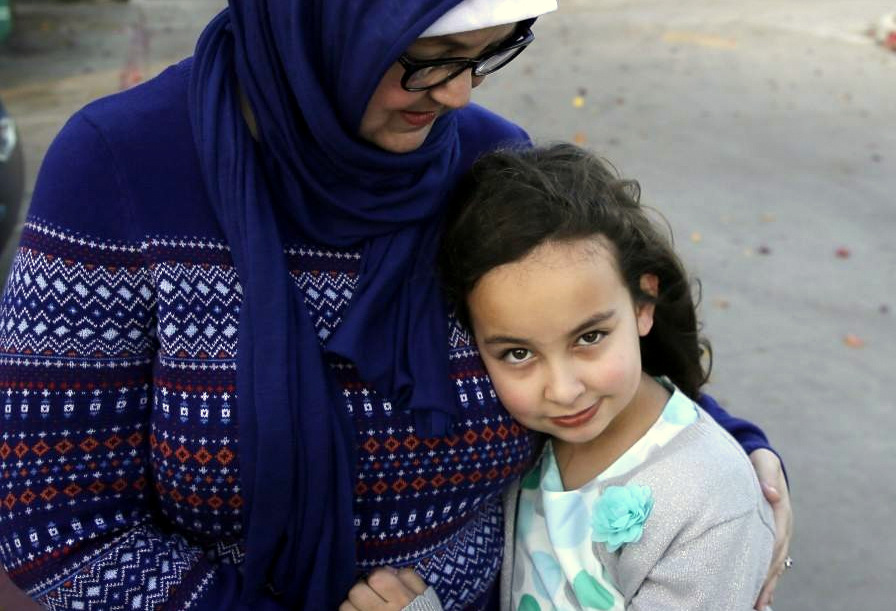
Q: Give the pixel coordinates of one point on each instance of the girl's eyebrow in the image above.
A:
(600, 317)
(503, 339)
(591, 321)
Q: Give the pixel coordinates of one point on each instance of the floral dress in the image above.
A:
(556, 566)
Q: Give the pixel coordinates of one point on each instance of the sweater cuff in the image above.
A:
(428, 601)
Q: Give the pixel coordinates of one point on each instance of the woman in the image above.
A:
(193, 244)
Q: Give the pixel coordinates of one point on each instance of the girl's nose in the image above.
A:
(564, 385)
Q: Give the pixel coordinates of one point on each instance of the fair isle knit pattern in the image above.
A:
(119, 451)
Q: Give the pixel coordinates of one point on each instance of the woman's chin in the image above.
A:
(400, 142)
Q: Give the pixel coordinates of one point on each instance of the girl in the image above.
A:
(583, 315)
(585, 321)
(584, 318)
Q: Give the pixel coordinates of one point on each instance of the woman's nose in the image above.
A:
(455, 93)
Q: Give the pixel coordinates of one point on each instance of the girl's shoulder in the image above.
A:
(704, 505)
(703, 470)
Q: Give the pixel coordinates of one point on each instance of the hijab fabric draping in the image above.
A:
(307, 69)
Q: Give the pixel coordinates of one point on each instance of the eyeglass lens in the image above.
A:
(430, 76)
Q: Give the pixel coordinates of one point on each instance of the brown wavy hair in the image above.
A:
(514, 200)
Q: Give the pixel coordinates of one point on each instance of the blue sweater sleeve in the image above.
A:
(80, 521)
(749, 435)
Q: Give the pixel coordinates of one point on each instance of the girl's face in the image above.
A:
(399, 121)
(558, 331)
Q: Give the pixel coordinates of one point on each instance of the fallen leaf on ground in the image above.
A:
(843, 253)
(696, 238)
(578, 102)
(722, 304)
(768, 218)
(580, 138)
(853, 341)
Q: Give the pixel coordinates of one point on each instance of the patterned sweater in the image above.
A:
(119, 446)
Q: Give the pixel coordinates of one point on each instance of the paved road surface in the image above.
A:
(763, 131)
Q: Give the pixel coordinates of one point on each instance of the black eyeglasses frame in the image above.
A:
(520, 42)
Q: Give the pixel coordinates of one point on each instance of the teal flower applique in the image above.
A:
(619, 514)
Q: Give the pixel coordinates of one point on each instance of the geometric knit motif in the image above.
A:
(135, 571)
(452, 571)
(119, 428)
(55, 307)
(197, 316)
(326, 295)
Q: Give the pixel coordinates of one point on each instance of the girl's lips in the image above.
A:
(418, 119)
(577, 419)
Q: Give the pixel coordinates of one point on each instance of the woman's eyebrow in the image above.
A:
(447, 43)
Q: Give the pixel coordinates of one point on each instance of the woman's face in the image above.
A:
(399, 121)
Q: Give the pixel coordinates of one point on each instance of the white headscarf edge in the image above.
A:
(477, 14)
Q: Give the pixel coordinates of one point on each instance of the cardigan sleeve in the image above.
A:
(79, 521)
(722, 567)
(707, 542)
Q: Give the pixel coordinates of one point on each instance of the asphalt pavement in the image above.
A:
(761, 130)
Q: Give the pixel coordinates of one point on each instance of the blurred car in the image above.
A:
(12, 176)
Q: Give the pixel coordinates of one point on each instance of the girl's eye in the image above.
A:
(517, 355)
(590, 338)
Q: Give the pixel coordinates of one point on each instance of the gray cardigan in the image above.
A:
(708, 543)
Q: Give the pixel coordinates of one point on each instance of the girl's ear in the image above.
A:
(650, 284)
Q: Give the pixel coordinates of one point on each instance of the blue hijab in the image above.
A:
(307, 69)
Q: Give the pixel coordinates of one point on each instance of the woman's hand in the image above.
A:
(386, 589)
(774, 487)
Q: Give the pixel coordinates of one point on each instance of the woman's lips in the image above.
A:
(577, 419)
(418, 119)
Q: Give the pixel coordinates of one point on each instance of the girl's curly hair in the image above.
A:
(514, 200)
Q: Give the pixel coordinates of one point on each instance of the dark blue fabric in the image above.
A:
(308, 69)
(747, 434)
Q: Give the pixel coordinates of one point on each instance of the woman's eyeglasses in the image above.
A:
(420, 75)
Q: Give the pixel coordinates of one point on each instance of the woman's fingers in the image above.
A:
(412, 581)
(774, 487)
(362, 597)
(385, 589)
(389, 585)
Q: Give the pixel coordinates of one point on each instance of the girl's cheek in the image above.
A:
(515, 399)
(617, 371)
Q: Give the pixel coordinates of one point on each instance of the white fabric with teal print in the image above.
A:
(555, 567)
